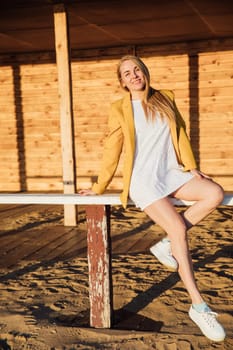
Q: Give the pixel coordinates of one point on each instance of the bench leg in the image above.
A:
(99, 265)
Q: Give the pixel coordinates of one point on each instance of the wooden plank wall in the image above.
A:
(200, 73)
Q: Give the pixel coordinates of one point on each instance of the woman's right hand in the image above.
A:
(86, 192)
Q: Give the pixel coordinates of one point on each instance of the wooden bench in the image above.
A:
(98, 209)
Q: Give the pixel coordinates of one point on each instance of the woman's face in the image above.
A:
(132, 77)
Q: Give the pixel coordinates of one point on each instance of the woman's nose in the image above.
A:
(134, 75)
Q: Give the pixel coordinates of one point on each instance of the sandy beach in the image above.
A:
(44, 302)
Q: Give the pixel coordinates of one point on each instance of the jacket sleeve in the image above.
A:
(111, 154)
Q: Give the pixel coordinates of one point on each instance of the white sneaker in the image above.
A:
(162, 251)
(208, 324)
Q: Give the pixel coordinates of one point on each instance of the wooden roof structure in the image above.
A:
(27, 25)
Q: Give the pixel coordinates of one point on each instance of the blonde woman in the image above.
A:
(159, 164)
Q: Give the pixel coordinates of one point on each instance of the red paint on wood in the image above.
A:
(99, 264)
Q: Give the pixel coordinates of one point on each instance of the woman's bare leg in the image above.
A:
(207, 194)
(165, 215)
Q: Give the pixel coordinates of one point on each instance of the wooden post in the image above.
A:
(99, 264)
(66, 108)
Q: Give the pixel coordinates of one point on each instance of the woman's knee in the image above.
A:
(179, 230)
(212, 193)
(217, 195)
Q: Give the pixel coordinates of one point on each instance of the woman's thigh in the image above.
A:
(198, 189)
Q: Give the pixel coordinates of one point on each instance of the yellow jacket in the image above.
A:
(121, 132)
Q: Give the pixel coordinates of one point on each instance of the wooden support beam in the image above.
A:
(66, 108)
(99, 264)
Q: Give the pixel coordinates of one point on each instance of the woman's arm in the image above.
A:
(111, 153)
(200, 174)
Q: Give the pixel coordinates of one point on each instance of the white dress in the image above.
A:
(156, 172)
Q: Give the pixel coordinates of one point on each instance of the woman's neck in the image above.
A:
(137, 95)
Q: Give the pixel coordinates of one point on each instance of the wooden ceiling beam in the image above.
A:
(201, 17)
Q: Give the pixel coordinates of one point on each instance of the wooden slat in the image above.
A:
(58, 246)
(17, 250)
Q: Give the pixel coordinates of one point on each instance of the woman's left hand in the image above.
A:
(199, 174)
(86, 192)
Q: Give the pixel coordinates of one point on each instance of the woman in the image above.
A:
(159, 164)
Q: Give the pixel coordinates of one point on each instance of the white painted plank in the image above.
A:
(104, 199)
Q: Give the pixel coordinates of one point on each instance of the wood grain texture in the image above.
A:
(30, 150)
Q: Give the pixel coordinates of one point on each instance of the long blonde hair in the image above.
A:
(153, 100)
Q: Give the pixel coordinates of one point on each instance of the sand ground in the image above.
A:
(44, 305)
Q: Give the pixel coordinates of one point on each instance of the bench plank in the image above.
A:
(60, 198)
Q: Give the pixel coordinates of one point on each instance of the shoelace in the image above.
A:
(210, 318)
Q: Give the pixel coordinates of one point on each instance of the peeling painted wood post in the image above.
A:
(99, 265)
